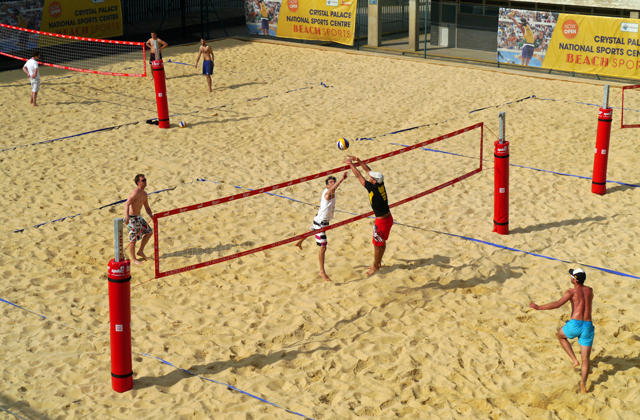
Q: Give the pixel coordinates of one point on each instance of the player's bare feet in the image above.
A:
(372, 270)
(324, 276)
(298, 244)
(576, 363)
(583, 388)
(136, 262)
(142, 256)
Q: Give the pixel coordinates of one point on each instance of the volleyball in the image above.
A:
(343, 144)
(182, 124)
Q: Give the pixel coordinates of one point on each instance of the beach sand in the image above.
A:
(444, 330)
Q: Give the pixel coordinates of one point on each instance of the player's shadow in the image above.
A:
(257, 361)
(439, 260)
(183, 76)
(620, 188)
(501, 275)
(238, 86)
(194, 252)
(405, 265)
(545, 226)
(619, 364)
(226, 120)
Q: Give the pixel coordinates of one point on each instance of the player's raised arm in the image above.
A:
(355, 170)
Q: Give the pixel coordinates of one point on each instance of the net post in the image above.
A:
(119, 276)
(118, 239)
(603, 135)
(501, 181)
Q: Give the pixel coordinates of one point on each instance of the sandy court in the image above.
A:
(444, 330)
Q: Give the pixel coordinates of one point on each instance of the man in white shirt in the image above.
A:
(31, 69)
(322, 219)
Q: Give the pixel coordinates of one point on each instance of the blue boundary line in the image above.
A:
(185, 370)
(227, 385)
(521, 166)
(99, 208)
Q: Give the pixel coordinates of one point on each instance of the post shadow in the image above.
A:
(256, 360)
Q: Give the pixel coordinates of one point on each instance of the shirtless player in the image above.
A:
(207, 63)
(135, 223)
(151, 45)
(579, 325)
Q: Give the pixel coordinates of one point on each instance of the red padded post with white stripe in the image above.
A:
(601, 158)
(501, 182)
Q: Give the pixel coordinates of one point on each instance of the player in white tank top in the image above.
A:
(325, 214)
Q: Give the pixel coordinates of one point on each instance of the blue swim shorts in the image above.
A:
(584, 330)
(207, 67)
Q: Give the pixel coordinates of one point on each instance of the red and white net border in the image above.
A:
(622, 124)
(157, 216)
(56, 49)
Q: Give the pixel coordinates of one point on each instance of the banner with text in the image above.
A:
(95, 19)
(575, 43)
(319, 20)
(596, 45)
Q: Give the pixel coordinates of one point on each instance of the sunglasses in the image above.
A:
(143, 180)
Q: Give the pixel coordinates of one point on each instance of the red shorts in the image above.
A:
(381, 229)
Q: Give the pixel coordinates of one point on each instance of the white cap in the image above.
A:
(377, 176)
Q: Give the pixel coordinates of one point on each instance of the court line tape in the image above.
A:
(231, 387)
(442, 122)
(175, 367)
(90, 210)
(149, 120)
(7, 411)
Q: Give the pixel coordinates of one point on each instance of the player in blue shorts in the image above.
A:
(580, 324)
(207, 64)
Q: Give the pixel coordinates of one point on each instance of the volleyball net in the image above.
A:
(630, 108)
(88, 55)
(235, 226)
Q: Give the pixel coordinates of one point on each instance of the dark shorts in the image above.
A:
(152, 57)
(527, 51)
(265, 23)
(381, 230)
(207, 67)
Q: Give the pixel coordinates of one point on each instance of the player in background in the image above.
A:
(32, 70)
(151, 45)
(208, 62)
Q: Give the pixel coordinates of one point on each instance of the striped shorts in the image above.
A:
(321, 238)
